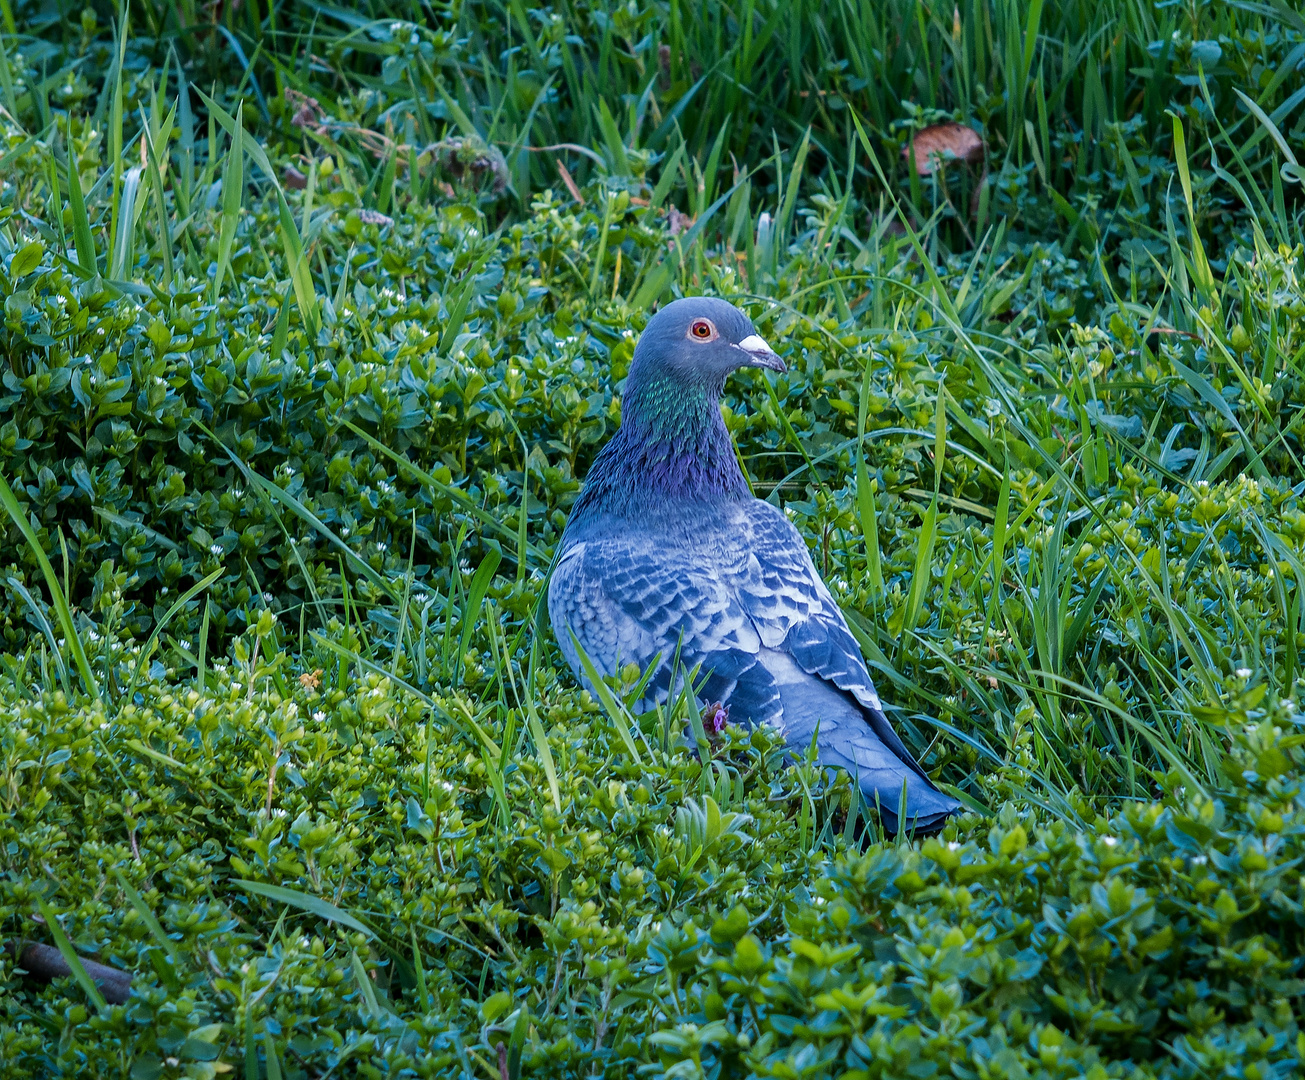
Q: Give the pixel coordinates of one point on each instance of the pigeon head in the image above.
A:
(696, 343)
(673, 445)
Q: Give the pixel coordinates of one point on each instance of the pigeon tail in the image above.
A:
(858, 739)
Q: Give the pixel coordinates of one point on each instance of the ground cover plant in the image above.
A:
(313, 320)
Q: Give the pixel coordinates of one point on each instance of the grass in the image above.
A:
(297, 397)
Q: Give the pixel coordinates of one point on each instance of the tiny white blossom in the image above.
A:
(1109, 841)
(216, 549)
(319, 717)
(1243, 673)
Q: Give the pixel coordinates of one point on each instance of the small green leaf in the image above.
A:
(27, 259)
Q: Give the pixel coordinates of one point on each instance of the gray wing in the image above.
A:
(634, 597)
(738, 594)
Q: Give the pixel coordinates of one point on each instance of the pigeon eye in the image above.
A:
(702, 330)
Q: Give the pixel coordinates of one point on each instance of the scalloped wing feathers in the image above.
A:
(732, 588)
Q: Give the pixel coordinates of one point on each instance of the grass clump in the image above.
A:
(301, 376)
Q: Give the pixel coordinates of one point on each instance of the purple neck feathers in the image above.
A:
(672, 446)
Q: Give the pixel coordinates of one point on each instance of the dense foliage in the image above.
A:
(301, 378)
(671, 918)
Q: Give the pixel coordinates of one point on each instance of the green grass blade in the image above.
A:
(125, 226)
(480, 582)
(233, 189)
(82, 238)
(46, 629)
(181, 601)
(465, 502)
(314, 905)
(661, 274)
(151, 922)
(70, 956)
(297, 262)
(537, 730)
(865, 500)
(156, 183)
(72, 638)
(614, 709)
(271, 490)
(281, 332)
(921, 576)
(1204, 276)
(201, 663)
(273, 1062)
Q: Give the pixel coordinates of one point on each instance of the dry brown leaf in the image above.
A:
(570, 183)
(944, 142)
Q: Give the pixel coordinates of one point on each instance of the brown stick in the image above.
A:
(47, 962)
(565, 173)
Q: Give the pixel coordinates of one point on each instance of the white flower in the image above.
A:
(1243, 673)
(319, 717)
(952, 845)
(1199, 860)
(216, 549)
(1109, 841)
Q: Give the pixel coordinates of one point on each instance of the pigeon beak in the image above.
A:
(759, 354)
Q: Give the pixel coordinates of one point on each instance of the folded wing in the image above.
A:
(738, 594)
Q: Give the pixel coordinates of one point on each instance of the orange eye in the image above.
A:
(702, 330)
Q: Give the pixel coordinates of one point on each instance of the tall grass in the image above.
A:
(1061, 89)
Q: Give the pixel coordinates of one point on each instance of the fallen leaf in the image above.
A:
(944, 142)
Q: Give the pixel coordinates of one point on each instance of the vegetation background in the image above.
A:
(314, 317)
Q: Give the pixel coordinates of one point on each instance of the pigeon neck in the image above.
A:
(672, 446)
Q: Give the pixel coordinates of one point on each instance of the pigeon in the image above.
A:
(668, 561)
